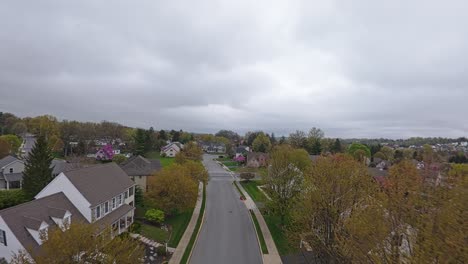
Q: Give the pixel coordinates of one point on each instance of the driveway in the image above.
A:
(227, 235)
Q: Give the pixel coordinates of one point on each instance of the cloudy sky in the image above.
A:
(354, 68)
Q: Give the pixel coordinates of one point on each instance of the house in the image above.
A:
(241, 150)
(171, 149)
(257, 159)
(11, 173)
(139, 169)
(213, 147)
(101, 194)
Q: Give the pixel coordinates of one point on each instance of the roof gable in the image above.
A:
(36, 214)
(140, 166)
(7, 160)
(99, 183)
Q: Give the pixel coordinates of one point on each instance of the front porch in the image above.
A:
(122, 224)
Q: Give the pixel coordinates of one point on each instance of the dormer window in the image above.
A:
(67, 222)
(98, 212)
(11, 170)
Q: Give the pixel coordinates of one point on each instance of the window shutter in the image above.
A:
(4, 238)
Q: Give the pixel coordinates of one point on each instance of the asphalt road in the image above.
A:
(227, 235)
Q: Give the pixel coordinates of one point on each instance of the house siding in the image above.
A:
(141, 181)
(13, 245)
(62, 184)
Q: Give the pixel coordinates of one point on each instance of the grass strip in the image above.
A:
(237, 187)
(191, 243)
(259, 233)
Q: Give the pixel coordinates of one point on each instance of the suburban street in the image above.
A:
(227, 235)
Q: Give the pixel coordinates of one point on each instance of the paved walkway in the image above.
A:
(273, 256)
(180, 250)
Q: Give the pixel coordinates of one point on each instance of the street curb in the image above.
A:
(256, 235)
(199, 230)
(181, 248)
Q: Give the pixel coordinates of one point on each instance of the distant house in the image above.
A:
(213, 147)
(101, 194)
(383, 165)
(171, 149)
(139, 169)
(11, 173)
(242, 150)
(257, 159)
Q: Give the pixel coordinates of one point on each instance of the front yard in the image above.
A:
(165, 161)
(273, 221)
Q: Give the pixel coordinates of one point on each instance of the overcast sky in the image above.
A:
(353, 68)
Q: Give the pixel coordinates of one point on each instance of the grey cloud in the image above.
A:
(356, 69)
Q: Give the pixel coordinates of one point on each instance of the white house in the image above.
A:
(171, 149)
(101, 194)
(11, 173)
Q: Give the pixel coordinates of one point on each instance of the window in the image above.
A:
(119, 199)
(67, 222)
(106, 208)
(130, 192)
(11, 170)
(113, 203)
(3, 237)
(98, 212)
(125, 194)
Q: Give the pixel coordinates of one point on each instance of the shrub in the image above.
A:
(135, 227)
(155, 216)
(247, 176)
(161, 251)
(9, 198)
(119, 159)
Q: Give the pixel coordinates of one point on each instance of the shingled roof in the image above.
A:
(33, 213)
(7, 160)
(139, 166)
(100, 183)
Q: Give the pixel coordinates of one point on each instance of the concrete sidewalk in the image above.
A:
(180, 250)
(273, 256)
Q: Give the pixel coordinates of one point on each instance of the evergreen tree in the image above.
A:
(162, 134)
(316, 147)
(38, 171)
(176, 136)
(273, 139)
(337, 148)
(140, 142)
(282, 140)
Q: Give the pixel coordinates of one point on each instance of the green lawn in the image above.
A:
(259, 233)
(179, 223)
(191, 243)
(230, 163)
(165, 161)
(252, 189)
(154, 233)
(273, 221)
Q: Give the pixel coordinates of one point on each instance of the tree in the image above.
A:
(337, 213)
(19, 128)
(119, 159)
(175, 136)
(231, 135)
(284, 178)
(282, 140)
(172, 189)
(191, 151)
(298, 139)
(55, 144)
(38, 171)
(140, 142)
(14, 142)
(261, 143)
(442, 230)
(154, 215)
(315, 133)
(80, 244)
(5, 148)
(337, 148)
(316, 147)
(251, 136)
(357, 146)
(388, 153)
(402, 195)
(196, 171)
(162, 134)
(273, 139)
